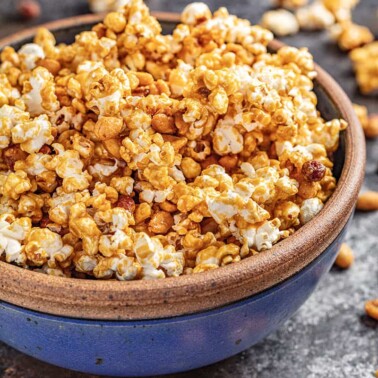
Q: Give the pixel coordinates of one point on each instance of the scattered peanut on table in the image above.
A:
(371, 130)
(345, 257)
(371, 308)
(368, 201)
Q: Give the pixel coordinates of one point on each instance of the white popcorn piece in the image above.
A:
(248, 170)
(12, 233)
(32, 135)
(281, 22)
(10, 116)
(40, 95)
(227, 139)
(195, 13)
(267, 235)
(315, 16)
(151, 255)
(69, 166)
(103, 169)
(30, 54)
(309, 208)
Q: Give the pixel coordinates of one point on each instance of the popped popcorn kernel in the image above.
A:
(42, 245)
(315, 16)
(195, 13)
(280, 22)
(13, 184)
(341, 9)
(33, 135)
(364, 61)
(309, 208)
(39, 93)
(349, 36)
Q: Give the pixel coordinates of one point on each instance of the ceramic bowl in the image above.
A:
(142, 328)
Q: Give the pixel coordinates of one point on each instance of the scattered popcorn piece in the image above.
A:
(368, 201)
(195, 13)
(364, 61)
(369, 123)
(362, 114)
(102, 6)
(350, 36)
(314, 17)
(281, 22)
(341, 9)
(345, 257)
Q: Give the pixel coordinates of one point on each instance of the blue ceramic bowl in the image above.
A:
(173, 325)
(152, 347)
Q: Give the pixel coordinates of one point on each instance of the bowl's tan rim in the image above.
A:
(94, 299)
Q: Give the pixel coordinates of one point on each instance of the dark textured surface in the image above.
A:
(330, 336)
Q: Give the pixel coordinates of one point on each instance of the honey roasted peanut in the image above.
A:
(371, 308)
(368, 201)
(108, 128)
(345, 257)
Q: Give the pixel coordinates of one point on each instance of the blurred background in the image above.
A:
(330, 336)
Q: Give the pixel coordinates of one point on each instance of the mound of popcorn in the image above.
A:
(131, 154)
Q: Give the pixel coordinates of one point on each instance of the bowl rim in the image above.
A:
(137, 300)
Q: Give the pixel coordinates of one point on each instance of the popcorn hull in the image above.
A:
(163, 346)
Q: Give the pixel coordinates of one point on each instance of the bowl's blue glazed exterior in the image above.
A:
(152, 347)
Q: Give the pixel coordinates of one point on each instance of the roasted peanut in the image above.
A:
(190, 168)
(108, 128)
(371, 308)
(371, 129)
(344, 257)
(161, 222)
(228, 162)
(52, 65)
(163, 124)
(368, 201)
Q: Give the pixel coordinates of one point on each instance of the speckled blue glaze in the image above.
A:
(152, 347)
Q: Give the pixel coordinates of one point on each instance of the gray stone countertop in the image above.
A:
(330, 336)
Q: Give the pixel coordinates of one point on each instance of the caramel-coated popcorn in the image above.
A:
(341, 9)
(315, 16)
(130, 154)
(365, 62)
(350, 36)
(281, 22)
